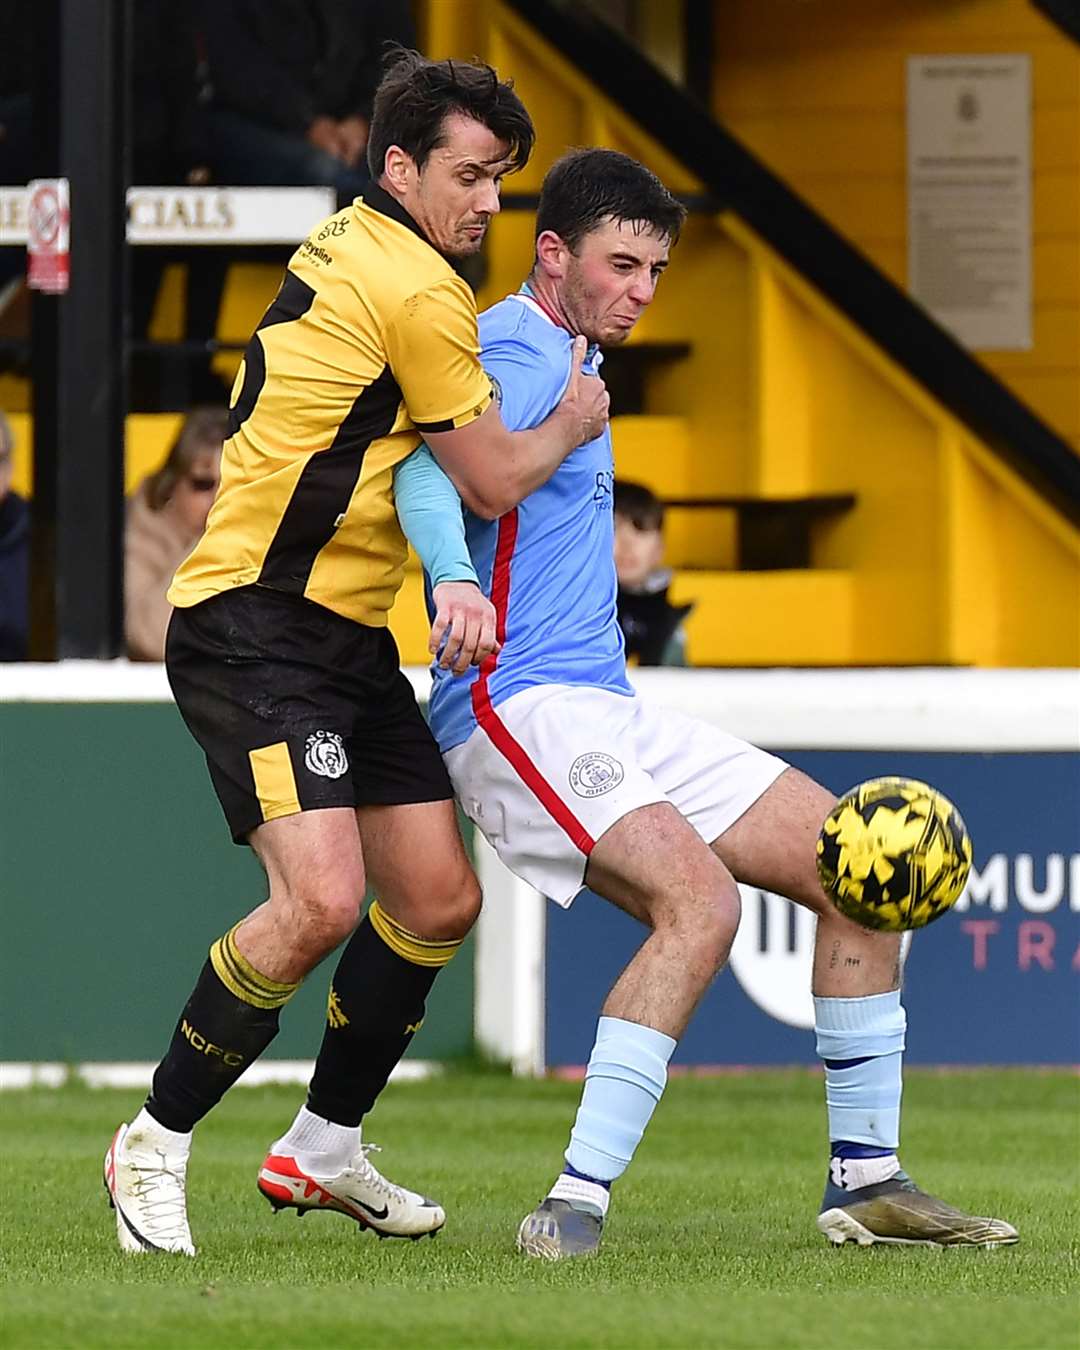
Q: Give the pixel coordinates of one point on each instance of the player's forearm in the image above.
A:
(492, 484)
(494, 469)
(429, 509)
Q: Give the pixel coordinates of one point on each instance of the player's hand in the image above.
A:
(586, 400)
(463, 633)
(323, 135)
(352, 139)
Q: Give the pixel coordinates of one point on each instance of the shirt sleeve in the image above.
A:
(434, 352)
(522, 382)
(429, 509)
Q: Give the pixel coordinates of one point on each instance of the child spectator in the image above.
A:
(166, 515)
(651, 625)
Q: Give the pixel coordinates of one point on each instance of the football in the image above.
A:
(893, 854)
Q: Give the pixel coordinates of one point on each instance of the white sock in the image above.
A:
(581, 1194)
(852, 1174)
(145, 1132)
(332, 1146)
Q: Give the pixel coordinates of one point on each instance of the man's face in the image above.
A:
(612, 279)
(454, 196)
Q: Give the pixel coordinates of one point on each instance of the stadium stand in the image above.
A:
(825, 505)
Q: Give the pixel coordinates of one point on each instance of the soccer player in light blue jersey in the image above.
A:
(576, 781)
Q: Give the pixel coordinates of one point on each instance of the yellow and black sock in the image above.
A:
(229, 1020)
(376, 1007)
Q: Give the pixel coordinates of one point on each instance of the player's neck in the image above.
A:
(546, 295)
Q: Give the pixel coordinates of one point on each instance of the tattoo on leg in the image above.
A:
(852, 961)
(834, 956)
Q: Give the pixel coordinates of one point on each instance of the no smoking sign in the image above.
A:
(48, 235)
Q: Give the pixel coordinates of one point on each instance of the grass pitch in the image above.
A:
(711, 1241)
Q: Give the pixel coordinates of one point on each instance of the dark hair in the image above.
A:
(640, 507)
(587, 187)
(204, 429)
(415, 96)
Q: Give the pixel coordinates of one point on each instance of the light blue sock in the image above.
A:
(624, 1080)
(861, 1041)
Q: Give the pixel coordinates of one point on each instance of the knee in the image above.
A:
(704, 919)
(322, 915)
(718, 922)
(469, 903)
(456, 909)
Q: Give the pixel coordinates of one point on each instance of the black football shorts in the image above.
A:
(297, 708)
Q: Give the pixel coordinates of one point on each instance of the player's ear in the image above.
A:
(551, 254)
(398, 168)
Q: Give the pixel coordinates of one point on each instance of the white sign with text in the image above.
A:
(208, 215)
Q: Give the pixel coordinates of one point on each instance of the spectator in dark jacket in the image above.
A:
(292, 83)
(652, 626)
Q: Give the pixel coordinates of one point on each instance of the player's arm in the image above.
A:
(494, 469)
(434, 353)
(429, 508)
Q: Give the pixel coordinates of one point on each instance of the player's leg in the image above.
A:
(654, 866)
(315, 872)
(249, 672)
(428, 899)
(860, 1027)
(551, 777)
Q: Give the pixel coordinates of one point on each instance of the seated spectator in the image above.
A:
(14, 558)
(292, 85)
(651, 625)
(166, 515)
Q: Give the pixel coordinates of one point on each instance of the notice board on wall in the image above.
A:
(969, 196)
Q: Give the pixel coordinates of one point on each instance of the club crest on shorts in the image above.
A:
(594, 774)
(325, 754)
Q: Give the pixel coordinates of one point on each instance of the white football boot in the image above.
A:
(145, 1178)
(357, 1190)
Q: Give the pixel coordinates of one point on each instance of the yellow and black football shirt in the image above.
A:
(370, 341)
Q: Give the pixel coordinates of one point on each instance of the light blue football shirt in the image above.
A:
(548, 564)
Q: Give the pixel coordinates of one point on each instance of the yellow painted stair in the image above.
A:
(944, 554)
(657, 452)
(789, 618)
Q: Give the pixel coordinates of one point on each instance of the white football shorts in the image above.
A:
(549, 770)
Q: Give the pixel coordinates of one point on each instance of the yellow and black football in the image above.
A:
(893, 854)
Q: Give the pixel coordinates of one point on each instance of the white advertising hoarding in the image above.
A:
(213, 215)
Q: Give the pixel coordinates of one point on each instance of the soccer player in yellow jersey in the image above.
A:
(287, 676)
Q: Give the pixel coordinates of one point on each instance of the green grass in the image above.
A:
(711, 1240)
